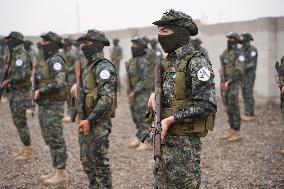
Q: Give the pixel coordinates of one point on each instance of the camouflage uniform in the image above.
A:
(51, 76)
(250, 63)
(197, 45)
(188, 93)
(232, 64)
(138, 76)
(116, 56)
(71, 57)
(282, 95)
(99, 81)
(19, 80)
(2, 53)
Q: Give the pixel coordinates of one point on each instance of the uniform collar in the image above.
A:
(95, 57)
(182, 52)
(18, 47)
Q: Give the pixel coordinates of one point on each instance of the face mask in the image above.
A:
(12, 44)
(195, 45)
(232, 44)
(49, 49)
(94, 48)
(171, 42)
(138, 51)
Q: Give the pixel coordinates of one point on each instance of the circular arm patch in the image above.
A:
(203, 74)
(104, 74)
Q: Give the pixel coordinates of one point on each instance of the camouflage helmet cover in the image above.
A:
(94, 35)
(178, 18)
(246, 36)
(234, 35)
(52, 37)
(16, 36)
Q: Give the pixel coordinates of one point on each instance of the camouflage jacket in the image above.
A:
(250, 54)
(20, 68)
(106, 79)
(232, 65)
(204, 51)
(56, 74)
(200, 91)
(138, 74)
(116, 53)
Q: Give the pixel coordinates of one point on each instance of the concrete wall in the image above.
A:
(268, 36)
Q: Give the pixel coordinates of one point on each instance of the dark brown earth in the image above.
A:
(253, 162)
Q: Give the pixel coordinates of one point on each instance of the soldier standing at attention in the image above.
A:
(188, 102)
(50, 97)
(139, 90)
(197, 46)
(250, 54)
(116, 56)
(232, 63)
(99, 83)
(19, 83)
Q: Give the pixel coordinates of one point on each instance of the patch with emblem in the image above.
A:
(57, 66)
(104, 74)
(253, 53)
(19, 62)
(241, 58)
(158, 53)
(203, 74)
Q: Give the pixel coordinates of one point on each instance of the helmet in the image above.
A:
(246, 36)
(16, 36)
(139, 41)
(234, 35)
(52, 37)
(94, 35)
(177, 18)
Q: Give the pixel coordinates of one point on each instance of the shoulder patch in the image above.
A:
(203, 74)
(241, 58)
(19, 62)
(158, 53)
(57, 66)
(104, 74)
(253, 53)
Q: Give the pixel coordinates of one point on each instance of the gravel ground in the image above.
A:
(253, 162)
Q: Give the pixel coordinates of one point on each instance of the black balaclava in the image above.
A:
(92, 49)
(179, 38)
(49, 49)
(195, 44)
(139, 50)
(12, 43)
(232, 44)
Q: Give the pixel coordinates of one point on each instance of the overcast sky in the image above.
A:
(32, 17)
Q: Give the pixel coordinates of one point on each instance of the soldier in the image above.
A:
(71, 57)
(188, 104)
(18, 82)
(4, 52)
(232, 64)
(99, 82)
(50, 96)
(116, 56)
(281, 151)
(197, 46)
(250, 54)
(139, 90)
(39, 51)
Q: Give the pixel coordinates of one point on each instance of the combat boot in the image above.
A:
(134, 143)
(235, 136)
(59, 177)
(67, 119)
(247, 118)
(27, 154)
(227, 134)
(47, 176)
(144, 146)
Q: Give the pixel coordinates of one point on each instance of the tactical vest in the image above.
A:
(134, 78)
(229, 64)
(46, 78)
(27, 82)
(91, 90)
(189, 127)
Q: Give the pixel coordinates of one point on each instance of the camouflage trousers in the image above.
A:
(71, 80)
(247, 92)
(282, 106)
(94, 155)
(50, 119)
(179, 165)
(139, 109)
(232, 106)
(19, 102)
(117, 66)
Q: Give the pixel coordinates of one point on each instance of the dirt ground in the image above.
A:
(251, 163)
